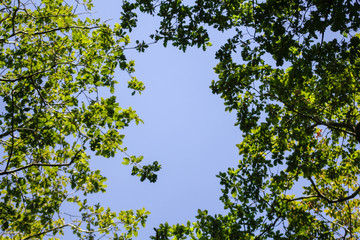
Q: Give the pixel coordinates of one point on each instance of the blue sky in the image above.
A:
(186, 130)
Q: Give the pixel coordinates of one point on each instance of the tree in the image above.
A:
(299, 113)
(55, 65)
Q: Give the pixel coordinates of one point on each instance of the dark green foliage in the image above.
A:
(291, 72)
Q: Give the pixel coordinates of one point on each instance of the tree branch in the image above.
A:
(14, 130)
(52, 30)
(45, 232)
(320, 195)
(349, 128)
(271, 226)
(23, 76)
(5, 172)
(300, 198)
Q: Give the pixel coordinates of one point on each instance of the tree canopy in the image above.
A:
(55, 63)
(290, 70)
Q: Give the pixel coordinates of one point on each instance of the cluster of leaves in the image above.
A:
(54, 64)
(299, 168)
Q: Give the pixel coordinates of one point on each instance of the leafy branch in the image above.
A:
(5, 172)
